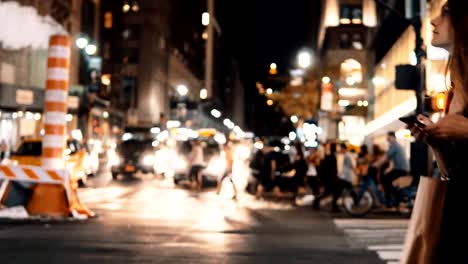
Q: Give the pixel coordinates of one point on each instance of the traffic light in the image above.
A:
(273, 69)
(435, 103)
(407, 77)
(439, 101)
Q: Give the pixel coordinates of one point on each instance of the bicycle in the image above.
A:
(360, 200)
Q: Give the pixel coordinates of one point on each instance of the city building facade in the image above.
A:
(23, 63)
(346, 57)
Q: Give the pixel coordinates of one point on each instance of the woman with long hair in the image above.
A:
(448, 137)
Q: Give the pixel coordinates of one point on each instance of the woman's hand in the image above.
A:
(448, 127)
(419, 132)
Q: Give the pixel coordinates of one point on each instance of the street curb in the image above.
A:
(42, 220)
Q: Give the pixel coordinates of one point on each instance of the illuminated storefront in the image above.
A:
(21, 113)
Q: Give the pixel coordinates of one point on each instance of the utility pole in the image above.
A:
(209, 50)
(421, 157)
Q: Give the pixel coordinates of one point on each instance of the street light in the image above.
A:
(135, 7)
(182, 90)
(37, 116)
(206, 18)
(343, 103)
(216, 113)
(304, 59)
(126, 7)
(294, 119)
(292, 136)
(269, 91)
(106, 79)
(81, 42)
(350, 80)
(273, 68)
(228, 123)
(326, 80)
(91, 49)
(203, 94)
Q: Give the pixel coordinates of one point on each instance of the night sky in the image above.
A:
(261, 32)
(255, 33)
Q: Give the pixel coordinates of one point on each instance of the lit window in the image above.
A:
(345, 41)
(357, 41)
(350, 14)
(345, 15)
(357, 16)
(126, 33)
(108, 20)
(106, 50)
(357, 45)
(345, 21)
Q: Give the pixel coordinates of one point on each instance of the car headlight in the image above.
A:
(113, 157)
(181, 164)
(114, 160)
(216, 166)
(243, 152)
(148, 160)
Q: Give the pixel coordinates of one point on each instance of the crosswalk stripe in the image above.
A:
(96, 195)
(383, 236)
(386, 247)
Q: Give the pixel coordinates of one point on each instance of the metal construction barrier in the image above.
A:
(54, 193)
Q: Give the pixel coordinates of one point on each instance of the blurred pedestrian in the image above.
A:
(268, 181)
(374, 172)
(197, 164)
(228, 154)
(347, 168)
(362, 164)
(300, 167)
(313, 161)
(3, 149)
(399, 167)
(322, 150)
(256, 168)
(329, 178)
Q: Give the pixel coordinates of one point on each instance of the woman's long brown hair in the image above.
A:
(458, 65)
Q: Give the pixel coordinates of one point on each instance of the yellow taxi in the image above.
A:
(76, 157)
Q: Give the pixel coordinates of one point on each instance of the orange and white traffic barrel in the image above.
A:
(49, 199)
(55, 105)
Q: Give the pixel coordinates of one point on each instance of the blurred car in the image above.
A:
(76, 157)
(135, 153)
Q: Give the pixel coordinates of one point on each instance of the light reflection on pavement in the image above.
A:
(152, 221)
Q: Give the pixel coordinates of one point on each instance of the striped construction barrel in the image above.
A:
(55, 106)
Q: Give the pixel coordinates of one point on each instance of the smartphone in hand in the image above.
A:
(412, 120)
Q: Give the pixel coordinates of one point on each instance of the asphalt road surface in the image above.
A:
(152, 221)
